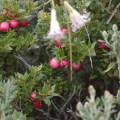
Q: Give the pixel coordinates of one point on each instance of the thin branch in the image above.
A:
(69, 99)
(113, 13)
(70, 48)
(23, 61)
(44, 4)
(47, 2)
(72, 113)
(47, 115)
(89, 50)
(109, 4)
(55, 106)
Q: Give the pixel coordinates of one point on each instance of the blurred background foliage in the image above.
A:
(25, 54)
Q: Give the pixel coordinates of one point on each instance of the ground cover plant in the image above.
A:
(59, 59)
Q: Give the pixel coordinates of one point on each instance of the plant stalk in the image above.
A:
(70, 49)
(53, 4)
(118, 62)
(88, 49)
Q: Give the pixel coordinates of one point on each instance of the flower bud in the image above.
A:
(92, 93)
(115, 28)
(108, 96)
(78, 106)
(105, 34)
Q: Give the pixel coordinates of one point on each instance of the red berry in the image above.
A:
(64, 64)
(4, 27)
(25, 23)
(76, 66)
(14, 24)
(37, 104)
(102, 45)
(33, 96)
(54, 63)
(58, 43)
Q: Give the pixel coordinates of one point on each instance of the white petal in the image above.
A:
(55, 29)
(78, 20)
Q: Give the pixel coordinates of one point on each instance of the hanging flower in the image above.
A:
(55, 30)
(78, 20)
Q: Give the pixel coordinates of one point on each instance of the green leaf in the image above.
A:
(110, 66)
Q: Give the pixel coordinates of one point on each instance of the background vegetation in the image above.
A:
(30, 89)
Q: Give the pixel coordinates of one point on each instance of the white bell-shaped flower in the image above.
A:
(55, 30)
(78, 20)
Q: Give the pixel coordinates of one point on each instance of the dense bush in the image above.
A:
(51, 52)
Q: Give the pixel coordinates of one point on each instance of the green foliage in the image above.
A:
(12, 42)
(48, 83)
(97, 108)
(31, 81)
(112, 40)
(48, 92)
(6, 98)
(24, 7)
(27, 81)
(8, 92)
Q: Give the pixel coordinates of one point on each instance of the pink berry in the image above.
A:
(25, 23)
(54, 63)
(33, 96)
(4, 27)
(64, 64)
(14, 24)
(102, 45)
(37, 104)
(76, 66)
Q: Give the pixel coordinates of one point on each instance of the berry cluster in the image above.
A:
(37, 103)
(12, 24)
(56, 64)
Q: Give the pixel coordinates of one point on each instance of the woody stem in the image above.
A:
(70, 49)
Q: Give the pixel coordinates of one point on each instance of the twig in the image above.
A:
(89, 50)
(70, 48)
(23, 60)
(69, 99)
(47, 115)
(118, 62)
(47, 2)
(44, 4)
(55, 106)
(114, 12)
(73, 114)
(109, 4)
